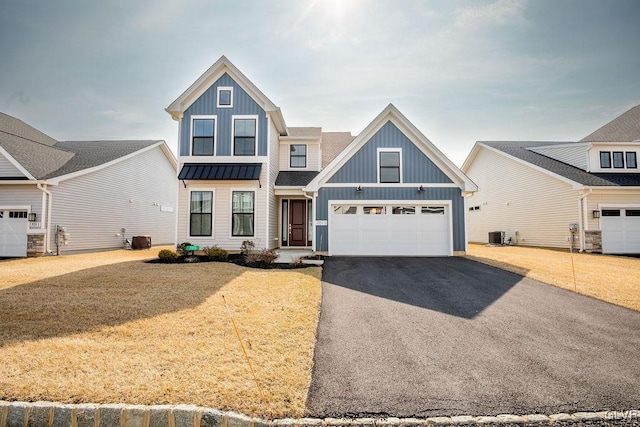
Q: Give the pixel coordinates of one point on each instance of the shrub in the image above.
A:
(182, 248)
(215, 253)
(262, 257)
(167, 255)
(297, 261)
(247, 247)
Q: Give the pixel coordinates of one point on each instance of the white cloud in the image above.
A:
(500, 12)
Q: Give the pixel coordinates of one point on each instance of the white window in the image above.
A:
(298, 156)
(203, 135)
(225, 97)
(345, 210)
(389, 165)
(242, 215)
(245, 131)
(200, 213)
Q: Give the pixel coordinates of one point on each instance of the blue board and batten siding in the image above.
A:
(417, 168)
(361, 168)
(205, 105)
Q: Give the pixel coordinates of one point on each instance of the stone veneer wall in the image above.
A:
(35, 244)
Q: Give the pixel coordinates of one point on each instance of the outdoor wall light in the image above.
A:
(421, 188)
(32, 216)
(596, 214)
(359, 189)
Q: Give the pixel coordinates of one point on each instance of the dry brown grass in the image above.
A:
(110, 328)
(615, 279)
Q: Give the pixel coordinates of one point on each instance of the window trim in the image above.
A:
(255, 206)
(608, 154)
(635, 159)
(613, 159)
(389, 150)
(233, 135)
(306, 151)
(215, 133)
(220, 89)
(213, 204)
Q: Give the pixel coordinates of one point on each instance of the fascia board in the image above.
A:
(575, 185)
(58, 179)
(16, 164)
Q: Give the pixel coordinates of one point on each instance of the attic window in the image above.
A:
(389, 166)
(605, 159)
(632, 162)
(618, 159)
(225, 97)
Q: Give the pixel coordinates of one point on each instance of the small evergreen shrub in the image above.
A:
(215, 253)
(167, 255)
(247, 247)
(182, 248)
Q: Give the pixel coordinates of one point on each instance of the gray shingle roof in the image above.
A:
(305, 131)
(624, 128)
(295, 178)
(518, 149)
(333, 143)
(44, 157)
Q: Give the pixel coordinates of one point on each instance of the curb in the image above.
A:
(51, 414)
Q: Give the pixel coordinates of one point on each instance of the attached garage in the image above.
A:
(13, 233)
(377, 228)
(620, 230)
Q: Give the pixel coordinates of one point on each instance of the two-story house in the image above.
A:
(559, 194)
(245, 175)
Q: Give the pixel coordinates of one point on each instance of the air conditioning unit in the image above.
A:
(496, 237)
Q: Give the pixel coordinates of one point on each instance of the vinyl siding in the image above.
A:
(272, 228)
(313, 154)
(22, 195)
(594, 157)
(243, 104)
(362, 166)
(96, 206)
(515, 197)
(614, 197)
(573, 155)
(395, 193)
(8, 170)
(222, 212)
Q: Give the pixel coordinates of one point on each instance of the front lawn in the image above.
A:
(615, 279)
(109, 327)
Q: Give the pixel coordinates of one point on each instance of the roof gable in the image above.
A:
(624, 128)
(206, 80)
(393, 116)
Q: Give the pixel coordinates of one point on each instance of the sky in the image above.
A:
(461, 71)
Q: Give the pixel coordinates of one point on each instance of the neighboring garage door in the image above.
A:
(13, 233)
(386, 228)
(620, 231)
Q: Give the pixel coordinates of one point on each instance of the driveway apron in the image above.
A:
(449, 336)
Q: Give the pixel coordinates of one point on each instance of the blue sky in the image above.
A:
(461, 71)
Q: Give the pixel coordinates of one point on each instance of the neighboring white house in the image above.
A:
(538, 192)
(66, 196)
(246, 175)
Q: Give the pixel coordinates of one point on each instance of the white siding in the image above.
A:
(129, 194)
(313, 155)
(574, 155)
(222, 212)
(7, 169)
(611, 198)
(514, 197)
(22, 195)
(594, 156)
(274, 149)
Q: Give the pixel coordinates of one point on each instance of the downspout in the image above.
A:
(49, 196)
(583, 219)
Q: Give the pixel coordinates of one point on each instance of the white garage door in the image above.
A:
(376, 228)
(620, 231)
(13, 233)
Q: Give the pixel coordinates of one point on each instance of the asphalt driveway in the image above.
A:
(450, 336)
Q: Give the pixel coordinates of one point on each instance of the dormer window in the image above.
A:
(225, 97)
(298, 156)
(605, 159)
(632, 162)
(618, 159)
(203, 131)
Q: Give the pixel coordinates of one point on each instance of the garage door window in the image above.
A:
(611, 212)
(17, 214)
(345, 210)
(632, 212)
(404, 210)
(374, 210)
(433, 210)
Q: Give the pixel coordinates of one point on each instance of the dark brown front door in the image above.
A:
(297, 223)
